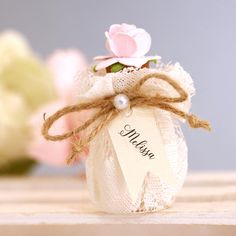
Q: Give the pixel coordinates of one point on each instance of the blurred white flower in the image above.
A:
(26, 84)
(12, 46)
(14, 131)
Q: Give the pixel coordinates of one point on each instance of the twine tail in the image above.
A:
(79, 146)
(195, 122)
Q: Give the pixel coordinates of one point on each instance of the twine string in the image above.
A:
(106, 112)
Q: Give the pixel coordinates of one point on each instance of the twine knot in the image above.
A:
(106, 110)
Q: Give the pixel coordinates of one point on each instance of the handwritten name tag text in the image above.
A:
(133, 137)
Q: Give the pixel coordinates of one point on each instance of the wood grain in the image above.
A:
(207, 203)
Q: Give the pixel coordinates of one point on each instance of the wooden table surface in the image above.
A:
(61, 206)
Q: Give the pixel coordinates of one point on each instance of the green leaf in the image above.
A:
(117, 67)
(94, 69)
(154, 61)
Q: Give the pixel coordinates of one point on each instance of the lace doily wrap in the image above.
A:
(104, 176)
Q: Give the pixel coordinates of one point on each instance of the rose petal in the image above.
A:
(143, 42)
(104, 64)
(126, 27)
(97, 58)
(115, 28)
(134, 32)
(107, 46)
(122, 45)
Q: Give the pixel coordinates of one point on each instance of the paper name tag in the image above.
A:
(139, 148)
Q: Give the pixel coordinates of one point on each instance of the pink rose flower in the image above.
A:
(127, 45)
(127, 41)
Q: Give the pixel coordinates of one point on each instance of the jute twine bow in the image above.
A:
(106, 112)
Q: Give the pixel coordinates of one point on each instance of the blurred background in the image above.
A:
(43, 43)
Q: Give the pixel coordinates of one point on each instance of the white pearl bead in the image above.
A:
(121, 102)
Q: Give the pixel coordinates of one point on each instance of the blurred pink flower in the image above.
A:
(64, 65)
(52, 153)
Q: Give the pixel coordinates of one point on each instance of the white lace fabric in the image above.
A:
(105, 180)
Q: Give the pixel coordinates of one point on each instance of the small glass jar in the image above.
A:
(106, 183)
